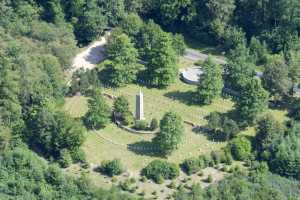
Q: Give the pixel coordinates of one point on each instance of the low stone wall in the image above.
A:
(131, 130)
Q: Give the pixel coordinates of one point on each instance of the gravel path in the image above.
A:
(91, 56)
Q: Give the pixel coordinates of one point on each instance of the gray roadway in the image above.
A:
(195, 55)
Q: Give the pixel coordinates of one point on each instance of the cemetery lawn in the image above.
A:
(112, 142)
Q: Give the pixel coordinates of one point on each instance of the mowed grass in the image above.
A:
(176, 98)
(112, 142)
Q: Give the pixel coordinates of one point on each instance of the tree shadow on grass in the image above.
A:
(183, 97)
(215, 136)
(144, 148)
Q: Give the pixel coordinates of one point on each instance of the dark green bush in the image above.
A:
(154, 124)
(240, 148)
(191, 166)
(158, 170)
(209, 178)
(65, 159)
(111, 168)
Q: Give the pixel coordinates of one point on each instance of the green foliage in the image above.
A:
(99, 113)
(78, 156)
(158, 170)
(179, 44)
(131, 24)
(121, 105)
(209, 178)
(214, 121)
(141, 125)
(127, 118)
(111, 168)
(65, 159)
(233, 37)
(210, 82)
(268, 131)
(36, 179)
(258, 51)
(5, 137)
(285, 158)
(154, 124)
(121, 110)
(240, 148)
(222, 125)
(84, 81)
(52, 131)
(10, 108)
(253, 100)
(230, 128)
(90, 23)
(122, 66)
(160, 56)
(276, 76)
(171, 133)
(191, 166)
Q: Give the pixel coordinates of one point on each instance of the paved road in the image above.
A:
(195, 55)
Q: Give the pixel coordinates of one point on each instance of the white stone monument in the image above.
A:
(139, 111)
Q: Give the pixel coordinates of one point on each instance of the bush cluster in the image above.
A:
(141, 125)
(240, 148)
(159, 170)
(111, 168)
(194, 165)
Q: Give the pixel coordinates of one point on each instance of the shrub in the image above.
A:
(216, 157)
(127, 118)
(65, 158)
(172, 185)
(209, 178)
(229, 158)
(191, 166)
(158, 170)
(111, 168)
(141, 125)
(125, 185)
(154, 124)
(78, 155)
(240, 148)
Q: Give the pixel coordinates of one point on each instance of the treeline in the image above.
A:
(24, 175)
(33, 57)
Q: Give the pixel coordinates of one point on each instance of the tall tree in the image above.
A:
(91, 23)
(253, 100)
(99, 113)
(276, 76)
(210, 82)
(268, 131)
(122, 64)
(161, 67)
(239, 69)
(171, 133)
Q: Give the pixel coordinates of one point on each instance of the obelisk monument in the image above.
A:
(139, 111)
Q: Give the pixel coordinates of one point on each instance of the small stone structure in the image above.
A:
(139, 112)
(191, 75)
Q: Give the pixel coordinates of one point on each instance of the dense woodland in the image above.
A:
(39, 38)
